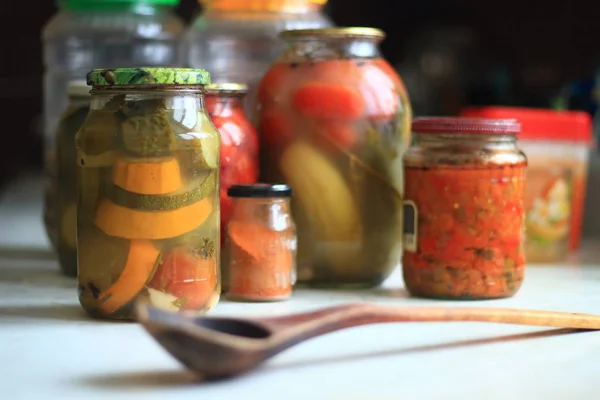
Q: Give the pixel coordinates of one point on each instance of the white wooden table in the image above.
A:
(50, 350)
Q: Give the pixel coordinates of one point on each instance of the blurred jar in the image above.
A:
(334, 122)
(557, 145)
(239, 145)
(60, 211)
(148, 193)
(236, 40)
(87, 34)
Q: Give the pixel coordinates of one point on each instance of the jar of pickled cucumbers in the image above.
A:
(239, 145)
(60, 211)
(334, 121)
(148, 204)
(464, 214)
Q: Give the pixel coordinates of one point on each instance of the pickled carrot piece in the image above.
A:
(187, 276)
(116, 220)
(328, 101)
(138, 268)
(261, 263)
(147, 176)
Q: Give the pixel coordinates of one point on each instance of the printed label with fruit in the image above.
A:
(548, 205)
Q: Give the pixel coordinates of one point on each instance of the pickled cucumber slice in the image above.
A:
(148, 134)
(194, 191)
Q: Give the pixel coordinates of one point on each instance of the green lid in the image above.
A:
(99, 4)
(148, 76)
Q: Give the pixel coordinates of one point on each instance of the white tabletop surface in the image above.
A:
(50, 349)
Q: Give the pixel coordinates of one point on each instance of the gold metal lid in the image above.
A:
(226, 87)
(336, 32)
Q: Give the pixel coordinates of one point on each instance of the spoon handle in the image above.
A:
(302, 326)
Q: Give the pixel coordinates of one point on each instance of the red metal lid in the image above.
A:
(488, 126)
(541, 124)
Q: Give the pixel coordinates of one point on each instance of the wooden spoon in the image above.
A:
(223, 347)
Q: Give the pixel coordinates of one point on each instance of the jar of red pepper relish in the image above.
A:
(463, 209)
(239, 145)
(334, 121)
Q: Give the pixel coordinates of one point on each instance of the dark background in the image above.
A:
(520, 52)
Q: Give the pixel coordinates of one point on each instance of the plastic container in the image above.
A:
(334, 122)
(557, 145)
(261, 243)
(148, 204)
(463, 209)
(236, 40)
(87, 34)
(60, 211)
(239, 146)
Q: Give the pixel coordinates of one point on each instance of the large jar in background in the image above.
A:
(334, 122)
(87, 34)
(236, 40)
(60, 211)
(239, 145)
(464, 213)
(148, 203)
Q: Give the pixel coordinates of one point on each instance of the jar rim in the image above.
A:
(334, 32)
(463, 125)
(226, 88)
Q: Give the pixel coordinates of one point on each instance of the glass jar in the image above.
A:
(261, 242)
(239, 146)
(148, 203)
(236, 40)
(334, 122)
(87, 34)
(60, 211)
(464, 212)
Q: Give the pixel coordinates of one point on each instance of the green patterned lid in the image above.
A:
(148, 76)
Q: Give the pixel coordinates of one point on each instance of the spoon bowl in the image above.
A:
(218, 347)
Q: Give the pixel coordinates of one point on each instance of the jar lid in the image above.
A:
(490, 126)
(226, 88)
(78, 88)
(259, 190)
(148, 76)
(336, 32)
(96, 4)
(541, 124)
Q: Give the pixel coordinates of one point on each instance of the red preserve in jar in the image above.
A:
(463, 209)
(239, 141)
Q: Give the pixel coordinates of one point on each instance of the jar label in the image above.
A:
(410, 231)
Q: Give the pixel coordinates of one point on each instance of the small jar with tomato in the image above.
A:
(261, 243)
(148, 184)
(334, 121)
(464, 212)
(239, 146)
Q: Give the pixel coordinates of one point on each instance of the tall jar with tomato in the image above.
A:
(464, 218)
(239, 147)
(334, 121)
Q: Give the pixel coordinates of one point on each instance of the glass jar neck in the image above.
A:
(263, 5)
(264, 210)
(322, 48)
(172, 97)
(219, 104)
(464, 139)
